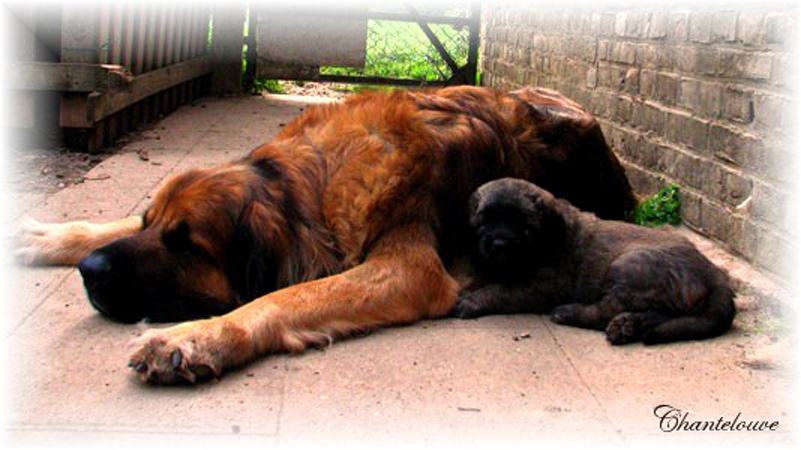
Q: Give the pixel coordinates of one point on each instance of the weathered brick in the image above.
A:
(623, 52)
(767, 203)
(685, 59)
(743, 236)
(685, 170)
(690, 207)
(702, 97)
(715, 220)
(666, 159)
(643, 182)
(731, 144)
(780, 28)
(606, 24)
(737, 188)
(657, 26)
(772, 252)
(648, 117)
(656, 56)
(769, 111)
(623, 107)
(739, 64)
(701, 27)
(749, 29)
(738, 104)
(724, 26)
(783, 72)
(687, 130)
(667, 87)
(678, 26)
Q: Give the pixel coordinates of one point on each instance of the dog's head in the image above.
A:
(515, 223)
(211, 241)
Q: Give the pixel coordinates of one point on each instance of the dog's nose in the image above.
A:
(95, 267)
(499, 245)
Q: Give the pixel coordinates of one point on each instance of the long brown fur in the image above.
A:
(359, 206)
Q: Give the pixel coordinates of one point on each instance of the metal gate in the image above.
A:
(395, 43)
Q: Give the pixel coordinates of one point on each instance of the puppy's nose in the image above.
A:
(499, 244)
(95, 267)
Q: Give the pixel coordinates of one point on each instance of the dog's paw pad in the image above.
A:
(160, 362)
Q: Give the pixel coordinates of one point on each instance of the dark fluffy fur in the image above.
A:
(536, 253)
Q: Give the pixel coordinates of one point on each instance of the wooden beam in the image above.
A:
(268, 9)
(101, 105)
(66, 77)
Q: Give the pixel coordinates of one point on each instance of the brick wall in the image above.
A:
(697, 97)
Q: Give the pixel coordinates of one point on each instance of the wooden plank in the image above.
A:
(141, 39)
(104, 34)
(79, 34)
(66, 77)
(170, 32)
(182, 26)
(194, 27)
(150, 40)
(360, 15)
(148, 84)
(115, 55)
(161, 37)
(128, 36)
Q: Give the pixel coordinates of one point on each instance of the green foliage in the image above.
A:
(662, 208)
(401, 50)
(271, 86)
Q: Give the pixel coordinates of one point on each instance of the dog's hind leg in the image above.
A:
(594, 315)
(630, 326)
(713, 320)
(68, 243)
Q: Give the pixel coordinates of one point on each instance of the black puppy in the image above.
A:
(539, 254)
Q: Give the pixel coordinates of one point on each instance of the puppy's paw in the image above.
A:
(623, 329)
(467, 307)
(566, 314)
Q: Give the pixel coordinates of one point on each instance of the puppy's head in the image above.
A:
(515, 222)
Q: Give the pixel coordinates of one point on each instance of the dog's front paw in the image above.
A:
(467, 307)
(189, 352)
(566, 314)
(36, 243)
(623, 329)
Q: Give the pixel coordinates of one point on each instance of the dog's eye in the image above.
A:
(177, 239)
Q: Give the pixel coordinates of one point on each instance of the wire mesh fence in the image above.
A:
(398, 49)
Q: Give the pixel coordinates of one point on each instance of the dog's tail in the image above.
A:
(714, 319)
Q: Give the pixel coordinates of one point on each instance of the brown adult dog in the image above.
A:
(348, 220)
(539, 254)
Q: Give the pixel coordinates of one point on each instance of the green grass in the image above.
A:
(662, 208)
(401, 50)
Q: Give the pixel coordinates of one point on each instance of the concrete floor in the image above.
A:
(498, 380)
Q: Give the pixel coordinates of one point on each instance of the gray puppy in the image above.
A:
(537, 254)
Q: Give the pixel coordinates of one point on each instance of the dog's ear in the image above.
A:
(251, 264)
(546, 211)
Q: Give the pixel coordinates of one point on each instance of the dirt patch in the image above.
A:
(47, 170)
(313, 89)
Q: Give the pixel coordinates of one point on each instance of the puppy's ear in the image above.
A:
(552, 226)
